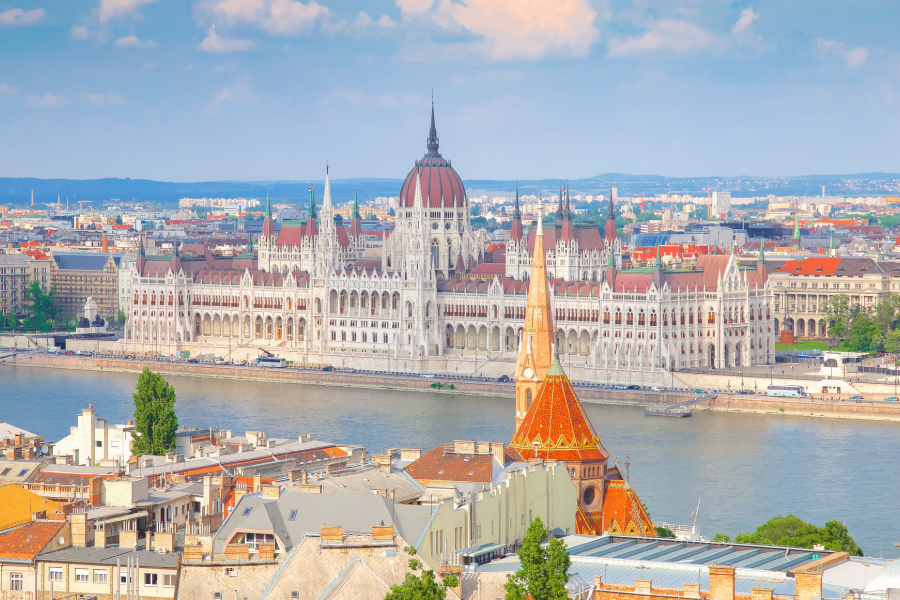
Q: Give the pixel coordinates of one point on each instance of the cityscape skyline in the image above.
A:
(271, 89)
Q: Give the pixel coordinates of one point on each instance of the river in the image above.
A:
(746, 467)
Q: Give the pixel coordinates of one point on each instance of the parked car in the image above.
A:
(193, 361)
(656, 388)
(634, 387)
(503, 379)
(328, 368)
(428, 376)
(699, 391)
(856, 399)
(746, 392)
(619, 386)
(892, 399)
(220, 361)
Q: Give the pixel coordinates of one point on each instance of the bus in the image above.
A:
(793, 391)
(271, 362)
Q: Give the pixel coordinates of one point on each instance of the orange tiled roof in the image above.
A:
(623, 513)
(27, 541)
(444, 465)
(811, 266)
(18, 504)
(555, 426)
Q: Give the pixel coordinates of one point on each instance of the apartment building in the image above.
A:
(17, 271)
(80, 275)
(803, 287)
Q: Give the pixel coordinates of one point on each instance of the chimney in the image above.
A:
(410, 454)
(257, 482)
(382, 533)
(463, 447)
(598, 582)
(808, 585)
(761, 593)
(721, 583)
(692, 590)
(499, 452)
(304, 477)
(271, 491)
(105, 247)
(643, 586)
(331, 535)
(383, 461)
(79, 529)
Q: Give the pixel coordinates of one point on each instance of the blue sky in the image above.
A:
(191, 90)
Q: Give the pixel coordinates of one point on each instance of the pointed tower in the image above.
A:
(796, 231)
(266, 242)
(536, 345)
(312, 226)
(356, 223)
(568, 228)
(609, 234)
(515, 233)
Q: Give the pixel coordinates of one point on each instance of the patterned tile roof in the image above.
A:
(555, 426)
(444, 465)
(623, 513)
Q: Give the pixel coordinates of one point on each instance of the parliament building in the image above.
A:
(436, 301)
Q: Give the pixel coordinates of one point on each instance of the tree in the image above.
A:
(155, 422)
(863, 334)
(839, 315)
(721, 537)
(544, 570)
(119, 220)
(892, 341)
(420, 587)
(42, 303)
(793, 531)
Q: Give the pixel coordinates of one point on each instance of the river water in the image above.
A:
(747, 468)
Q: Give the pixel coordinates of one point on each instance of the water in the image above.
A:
(747, 468)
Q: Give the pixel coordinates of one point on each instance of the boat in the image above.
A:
(667, 411)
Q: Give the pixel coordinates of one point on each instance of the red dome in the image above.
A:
(441, 185)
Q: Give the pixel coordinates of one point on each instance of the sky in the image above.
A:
(196, 90)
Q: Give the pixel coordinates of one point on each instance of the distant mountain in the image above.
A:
(18, 190)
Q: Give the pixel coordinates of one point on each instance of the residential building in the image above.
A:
(19, 549)
(95, 442)
(17, 271)
(82, 275)
(18, 505)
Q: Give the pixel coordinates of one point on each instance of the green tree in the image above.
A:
(839, 315)
(863, 334)
(42, 303)
(544, 570)
(119, 220)
(892, 341)
(889, 221)
(424, 586)
(793, 531)
(155, 422)
(721, 537)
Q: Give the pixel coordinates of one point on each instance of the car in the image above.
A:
(746, 392)
(892, 399)
(193, 361)
(699, 391)
(656, 388)
(328, 368)
(619, 386)
(856, 398)
(220, 361)
(503, 379)
(428, 376)
(634, 387)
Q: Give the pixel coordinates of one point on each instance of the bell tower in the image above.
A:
(536, 344)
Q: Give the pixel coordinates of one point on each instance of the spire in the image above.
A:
(568, 228)
(312, 202)
(355, 203)
(761, 258)
(515, 232)
(609, 233)
(658, 263)
(141, 246)
(540, 222)
(433, 140)
(326, 200)
(268, 205)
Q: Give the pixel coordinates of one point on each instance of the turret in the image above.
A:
(796, 231)
(356, 222)
(312, 227)
(515, 233)
(609, 234)
(568, 228)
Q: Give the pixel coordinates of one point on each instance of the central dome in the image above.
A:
(441, 185)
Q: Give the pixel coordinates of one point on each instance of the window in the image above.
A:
(100, 576)
(15, 582)
(247, 511)
(22, 472)
(56, 573)
(6, 471)
(82, 575)
(169, 580)
(151, 579)
(99, 443)
(293, 515)
(123, 577)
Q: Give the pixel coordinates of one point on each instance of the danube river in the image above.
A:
(747, 468)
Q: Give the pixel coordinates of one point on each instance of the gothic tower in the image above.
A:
(536, 344)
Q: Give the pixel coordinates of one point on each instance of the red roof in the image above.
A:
(555, 426)
(443, 464)
(811, 266)
(29, 540)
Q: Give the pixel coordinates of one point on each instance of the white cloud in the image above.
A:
(111, 9)
(668, 35)
(79, 32)
(18, 16)
(105, 99)
(854, 57)
(8, 90)
(215, 44)
(282, 17)
(414, 7)
(48, 100)
(133, 41)
(526, 29)
(238, 92)
(746, 19)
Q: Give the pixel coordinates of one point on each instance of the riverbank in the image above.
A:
(738, 404)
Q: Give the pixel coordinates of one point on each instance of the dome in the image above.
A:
(441, 185)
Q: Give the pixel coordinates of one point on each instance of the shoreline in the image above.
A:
(736, 404)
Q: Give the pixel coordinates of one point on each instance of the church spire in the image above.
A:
(536, 346)
(326, 200)
(658, 263)
(515, 232)
(609, 234)
(433, 141)
(761, 258)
